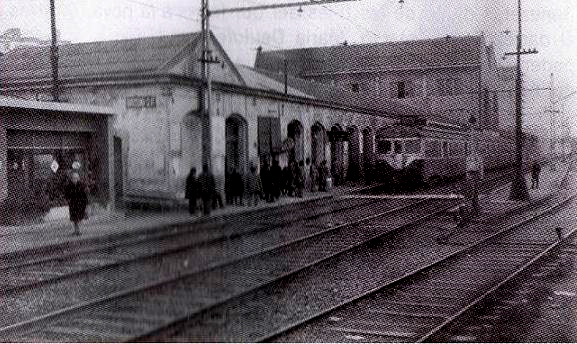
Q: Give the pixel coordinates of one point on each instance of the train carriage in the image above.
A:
(414, 155)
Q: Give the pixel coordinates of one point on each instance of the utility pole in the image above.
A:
(207, 59)
(519, 190)
(54, 54)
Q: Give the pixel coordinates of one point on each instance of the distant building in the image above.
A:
(12, 39)
(454, 77)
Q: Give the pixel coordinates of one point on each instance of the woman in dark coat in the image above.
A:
(75, 193)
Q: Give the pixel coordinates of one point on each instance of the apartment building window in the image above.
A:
(402, 89)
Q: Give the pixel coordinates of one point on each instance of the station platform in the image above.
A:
(112, 224)
(15, 239)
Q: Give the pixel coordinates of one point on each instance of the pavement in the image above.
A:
(111, 225)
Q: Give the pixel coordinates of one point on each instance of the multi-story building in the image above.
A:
(454, 77)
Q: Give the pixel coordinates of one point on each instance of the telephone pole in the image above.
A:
(54, 54)
(519, 190)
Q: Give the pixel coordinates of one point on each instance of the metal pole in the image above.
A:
(206, 88)
(519, 190)
(54, 54)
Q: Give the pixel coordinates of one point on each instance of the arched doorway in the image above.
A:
(354, 160)
(318, 140)
(368, 156)
(295, 132)
(236, 138)
(337, 154)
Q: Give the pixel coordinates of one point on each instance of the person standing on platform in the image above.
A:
(253, 187)
(207, 189)
(323, 175)
(314, 176)
(265, 178)
(276, 180)
(191, 192)
(77, 198)
(237, 187)
(300, 179)
(535, 171)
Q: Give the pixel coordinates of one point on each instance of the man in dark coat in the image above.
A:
(190, 193)
(276, 179)
(265, 178)
(207, 189)
(237, 187)
(75, 194)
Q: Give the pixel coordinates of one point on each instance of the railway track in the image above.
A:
(533, 304)
(172, 299)
(61, 272)
(149, 259)
(421, 305)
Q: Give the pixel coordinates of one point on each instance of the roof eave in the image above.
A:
(360, 71)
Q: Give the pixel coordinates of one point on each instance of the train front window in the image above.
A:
(384, 147)
(398, 147)
(412, 146)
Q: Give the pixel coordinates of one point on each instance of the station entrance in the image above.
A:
(40, 163)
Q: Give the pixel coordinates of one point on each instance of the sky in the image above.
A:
(549, 26)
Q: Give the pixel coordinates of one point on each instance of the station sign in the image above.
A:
(141, 102)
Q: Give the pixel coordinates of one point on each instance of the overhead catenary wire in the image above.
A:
(197, 20)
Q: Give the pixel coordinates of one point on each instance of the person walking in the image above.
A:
(77, 198)
(535, 171)
(190, 191)
(207, 189)
(253, 187)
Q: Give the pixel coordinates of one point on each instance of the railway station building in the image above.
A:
(153, 85)
(41, 143)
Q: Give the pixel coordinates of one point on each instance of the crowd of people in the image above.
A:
(269, 185)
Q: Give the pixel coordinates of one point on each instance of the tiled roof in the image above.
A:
(118, 57)
(257, 80)
(461, 50)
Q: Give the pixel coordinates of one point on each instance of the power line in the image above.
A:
(262, 42)
(351, 21)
